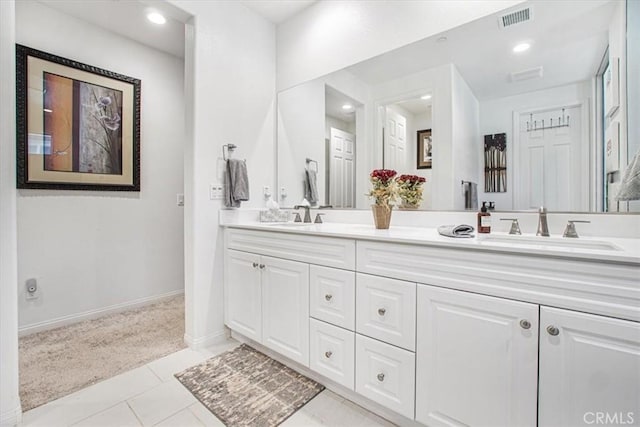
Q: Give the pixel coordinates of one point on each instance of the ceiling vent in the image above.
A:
(514, 18)
(532, 73)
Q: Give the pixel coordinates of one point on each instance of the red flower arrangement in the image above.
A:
(410, 190)
(383, 191)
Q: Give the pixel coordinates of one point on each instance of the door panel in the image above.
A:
(242, 294)
(476, 363)
(285, 308)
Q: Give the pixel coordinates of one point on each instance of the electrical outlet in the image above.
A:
(266, 191)
(215, 191)
(283, 193)
(32, 291)
(180, 199)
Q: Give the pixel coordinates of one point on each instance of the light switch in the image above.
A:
(215, 191)
(180, 199)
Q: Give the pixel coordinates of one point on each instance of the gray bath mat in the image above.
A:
(243, 387)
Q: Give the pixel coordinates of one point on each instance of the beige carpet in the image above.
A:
(244, 387)
(60, 361)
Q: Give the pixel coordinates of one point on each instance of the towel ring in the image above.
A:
(309, 161)
(227, 149)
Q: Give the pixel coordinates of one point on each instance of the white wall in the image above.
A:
(10, 412)
(301, 133)
(496, 116)
(633, 85)
(93, 250)
(331, 35)
(465, 117)
(230, 94)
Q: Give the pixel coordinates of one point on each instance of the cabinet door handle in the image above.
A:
(552, 330)
(262, 266)
(327, 354)
(328, 297)
(381, 377)
(525, 324)
(381, 312)
(255, 265)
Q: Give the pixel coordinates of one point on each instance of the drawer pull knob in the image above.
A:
(381, 312)
(328, 297)
(262, 266)
(255, 265)
(327, 354)
(552, 330)
(525, 324)
(380, 377)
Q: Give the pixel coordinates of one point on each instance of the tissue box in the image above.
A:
(268, 215)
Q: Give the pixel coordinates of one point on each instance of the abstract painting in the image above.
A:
(78, 125)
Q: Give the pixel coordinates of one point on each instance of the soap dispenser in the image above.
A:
(484, 219)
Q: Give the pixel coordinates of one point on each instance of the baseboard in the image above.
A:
(206, 341)
(11, 418)
(94, 314)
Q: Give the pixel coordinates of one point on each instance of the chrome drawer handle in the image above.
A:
(328, 354)
(380, 377)
(381, 312)
(525, 324)
(552, 330)
(255, 265)
(328, 297)
(262, 266)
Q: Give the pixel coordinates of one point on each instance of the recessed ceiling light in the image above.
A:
(347, 107)
(521, 47)
(425, 97)
(156, 18)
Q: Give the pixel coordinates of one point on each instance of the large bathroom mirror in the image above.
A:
(522, 108)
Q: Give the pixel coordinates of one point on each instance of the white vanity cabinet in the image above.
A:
(589, 369)
(477, 359)
(444, 336)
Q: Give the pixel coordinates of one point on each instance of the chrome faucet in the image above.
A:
(543, 228)
(307, 212)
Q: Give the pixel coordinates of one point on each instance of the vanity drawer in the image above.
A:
(333, 294)
(386, 310)
(327, 251)
(386, 375)
(332, 352)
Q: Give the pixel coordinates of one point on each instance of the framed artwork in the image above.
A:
(424, 149)
(78, 126)
(612, 148)
(495, 163)
(611, 79)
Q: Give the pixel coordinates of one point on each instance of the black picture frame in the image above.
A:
(101, 137)
(424, 144)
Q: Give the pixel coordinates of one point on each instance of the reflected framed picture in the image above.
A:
(78, 126)
(424, 149)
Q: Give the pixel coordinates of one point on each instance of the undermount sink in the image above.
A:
(555, 242)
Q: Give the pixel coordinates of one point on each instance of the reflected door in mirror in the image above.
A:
(342, 169)
(395, 141)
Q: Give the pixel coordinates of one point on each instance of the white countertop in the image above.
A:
(619, 250)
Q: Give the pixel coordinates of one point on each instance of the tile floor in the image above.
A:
(151, 396)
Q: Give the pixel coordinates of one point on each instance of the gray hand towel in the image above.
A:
(630, 183)
(471, 196)
(458, 231)
(236, 184)
(311, 186)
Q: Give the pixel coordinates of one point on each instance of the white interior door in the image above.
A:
(342, 169)
(551, 163)
(395, 141)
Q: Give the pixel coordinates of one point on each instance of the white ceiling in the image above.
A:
(333, 102)
(277, 11)
(127, 18)
(568, 39)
